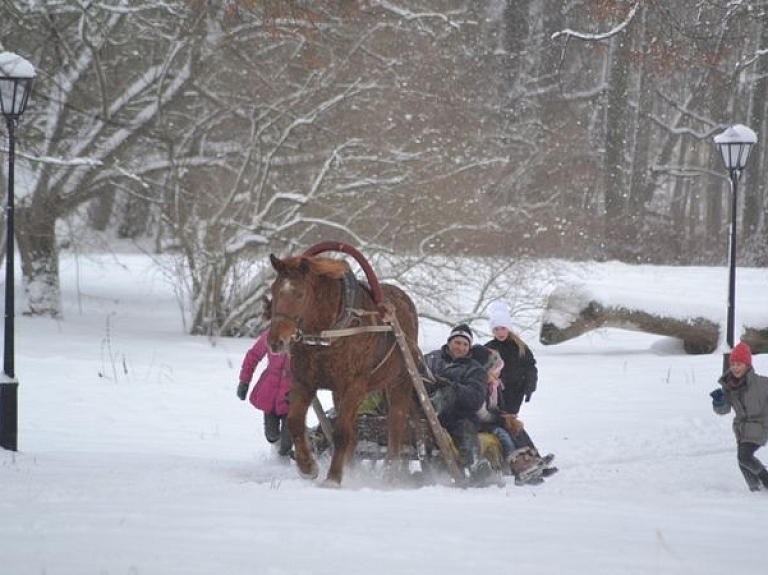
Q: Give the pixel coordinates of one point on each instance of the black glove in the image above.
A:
(529, 384)
(530, 387)
(242, 390)
(718, 397)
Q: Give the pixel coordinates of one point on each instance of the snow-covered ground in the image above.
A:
(136, 458)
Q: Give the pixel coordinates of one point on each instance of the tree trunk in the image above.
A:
(36, 237)
(716, 194)
(135, 217)
(681, 220)
(100, 210)
(755, 238)
(616, 146)
(640, 190)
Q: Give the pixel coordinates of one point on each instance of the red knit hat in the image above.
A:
(741, 353)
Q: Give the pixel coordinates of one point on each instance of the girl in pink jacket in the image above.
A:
(270, 394)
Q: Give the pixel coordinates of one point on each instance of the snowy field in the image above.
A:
(136, 458)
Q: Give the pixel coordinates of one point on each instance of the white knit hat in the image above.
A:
(498, 316)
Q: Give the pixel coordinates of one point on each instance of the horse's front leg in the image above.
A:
(297, 418)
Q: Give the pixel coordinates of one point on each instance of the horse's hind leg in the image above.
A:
(297, 417)
(400, 399)
(344, 433)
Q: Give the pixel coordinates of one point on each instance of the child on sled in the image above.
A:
(520, 456)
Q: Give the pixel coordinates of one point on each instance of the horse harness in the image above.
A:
(349, 321)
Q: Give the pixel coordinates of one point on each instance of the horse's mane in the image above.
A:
(318, 265)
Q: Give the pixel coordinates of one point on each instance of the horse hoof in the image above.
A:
(308, 470)
(312, 474)
(331, 484)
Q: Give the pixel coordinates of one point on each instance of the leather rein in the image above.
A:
(349, 320)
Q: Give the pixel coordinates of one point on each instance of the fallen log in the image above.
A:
(565, 319)
(756, 338)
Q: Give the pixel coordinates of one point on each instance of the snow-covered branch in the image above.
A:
(407, 14)
(569, 33)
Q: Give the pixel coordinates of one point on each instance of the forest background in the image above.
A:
(221, 131)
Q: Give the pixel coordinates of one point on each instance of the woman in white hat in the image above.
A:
(520, 373)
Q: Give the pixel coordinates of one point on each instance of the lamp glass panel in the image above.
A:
(14, 93)
(744, 154)
(727, 152)
(7, 95)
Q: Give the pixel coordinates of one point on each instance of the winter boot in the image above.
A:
(480, 472)
(529, 480)
(506, 466)
(753, 481)
(527, 466)
(547, 471)
(271, 427)
(480, 469)
(549, 466)
(286, 443)
(763, 477)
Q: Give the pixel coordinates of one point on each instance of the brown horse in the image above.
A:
(312, 295)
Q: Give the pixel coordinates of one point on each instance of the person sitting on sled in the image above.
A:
(459, 391)
(520, 456)
(520, 374)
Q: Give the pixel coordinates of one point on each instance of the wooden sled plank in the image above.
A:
(322, 418)
(441, 436)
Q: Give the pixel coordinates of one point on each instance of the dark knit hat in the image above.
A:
(481, 354)
(461, 330)
(485, 356)
(741, 353)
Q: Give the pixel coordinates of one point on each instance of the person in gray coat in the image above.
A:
(460, 391)
(746, 392)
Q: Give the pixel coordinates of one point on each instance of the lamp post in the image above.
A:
(734, 144)
(16, 75)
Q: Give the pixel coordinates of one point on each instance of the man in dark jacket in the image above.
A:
(742, 390)
(461, 389)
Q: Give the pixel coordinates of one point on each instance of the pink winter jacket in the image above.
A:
(270, 394)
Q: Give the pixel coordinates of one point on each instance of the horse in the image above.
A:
(314, 298)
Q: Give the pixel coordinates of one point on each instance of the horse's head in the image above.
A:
(296, 306)
(288, 301)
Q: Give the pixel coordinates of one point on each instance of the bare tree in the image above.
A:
(320, 131)
(105, 73)
(231, 129)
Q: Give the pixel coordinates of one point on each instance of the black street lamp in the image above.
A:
(16, 75)
(734, 144)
